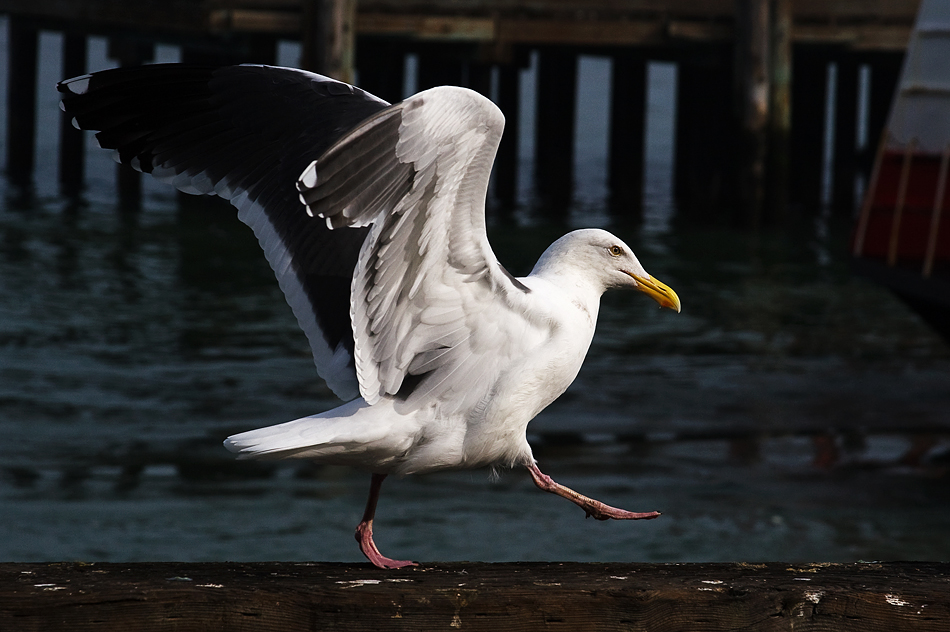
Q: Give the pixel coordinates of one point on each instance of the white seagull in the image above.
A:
(372, 216)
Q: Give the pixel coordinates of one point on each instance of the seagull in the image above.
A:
(372, 217)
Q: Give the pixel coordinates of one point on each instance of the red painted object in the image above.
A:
(916, 210)
(902, 237)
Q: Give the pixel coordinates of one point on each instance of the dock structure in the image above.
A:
(865, 597)
(752, 82)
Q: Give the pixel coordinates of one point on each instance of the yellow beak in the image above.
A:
(658, 291)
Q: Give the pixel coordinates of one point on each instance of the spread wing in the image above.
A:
(435, 316)
(245, 133)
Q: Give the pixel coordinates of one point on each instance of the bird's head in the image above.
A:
(606, 260)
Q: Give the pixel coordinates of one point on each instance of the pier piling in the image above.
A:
(554, 128)
(329, 38)
(440, 65)
(21, 100)
(704, 149)
(750, 128)
(129, 51)
(752, 107)
(381, 67)
(845, 135)
(810, 78)
(506, 161)
(780, 109)
(72, 142)
(627, 139)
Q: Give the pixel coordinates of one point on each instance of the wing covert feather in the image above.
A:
(429, 298)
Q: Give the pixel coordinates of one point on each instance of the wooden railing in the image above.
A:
(865, 597)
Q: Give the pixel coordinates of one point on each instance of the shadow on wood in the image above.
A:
(475, 596)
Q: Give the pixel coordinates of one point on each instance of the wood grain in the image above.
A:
(475, 596)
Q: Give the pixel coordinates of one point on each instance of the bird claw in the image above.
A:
(385, 562)
(364, 535)
(592, 508)
(612, 513)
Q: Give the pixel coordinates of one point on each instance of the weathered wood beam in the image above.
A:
(254, 21)
(538, 31)
(865, 597)
(780, 108)
(751, 82)
(441, 27)
(180, 16)
(888, 37)
(329, 38)
(885, 25)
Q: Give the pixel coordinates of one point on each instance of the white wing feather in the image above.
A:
(429, 298)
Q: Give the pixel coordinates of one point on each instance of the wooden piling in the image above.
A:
(751, 80)
(129, 51)
(479, 77)
(72, 140)
(329, 38)
(865, 597)
(506, 162)
(780, 109)
(810, 80)
(439, 65)
(681, 31)
(381, 66)
(21, 100)
(627, 140)
(554, 128)
(704, 145)
(844, 162)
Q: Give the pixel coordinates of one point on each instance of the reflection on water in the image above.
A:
(790, 412)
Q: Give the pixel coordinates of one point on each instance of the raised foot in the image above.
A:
(364, 535)
(593, 508)
(600, 511)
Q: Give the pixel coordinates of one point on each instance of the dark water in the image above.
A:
(791, 412)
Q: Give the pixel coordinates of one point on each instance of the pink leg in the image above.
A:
(591, 507)
(364, 531)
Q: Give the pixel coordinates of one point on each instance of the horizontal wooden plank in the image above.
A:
(178, 16)
(865, 597)
(530, 31)
(444, 27)
(255, 21)
(825, 10)
(580, 32)
(861, 24)
(881, 37)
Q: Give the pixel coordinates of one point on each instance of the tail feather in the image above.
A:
(353, 434)
(278, 441)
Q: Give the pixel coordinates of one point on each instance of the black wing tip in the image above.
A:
(76, 85)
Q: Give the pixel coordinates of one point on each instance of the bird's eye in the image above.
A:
(615, 251)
